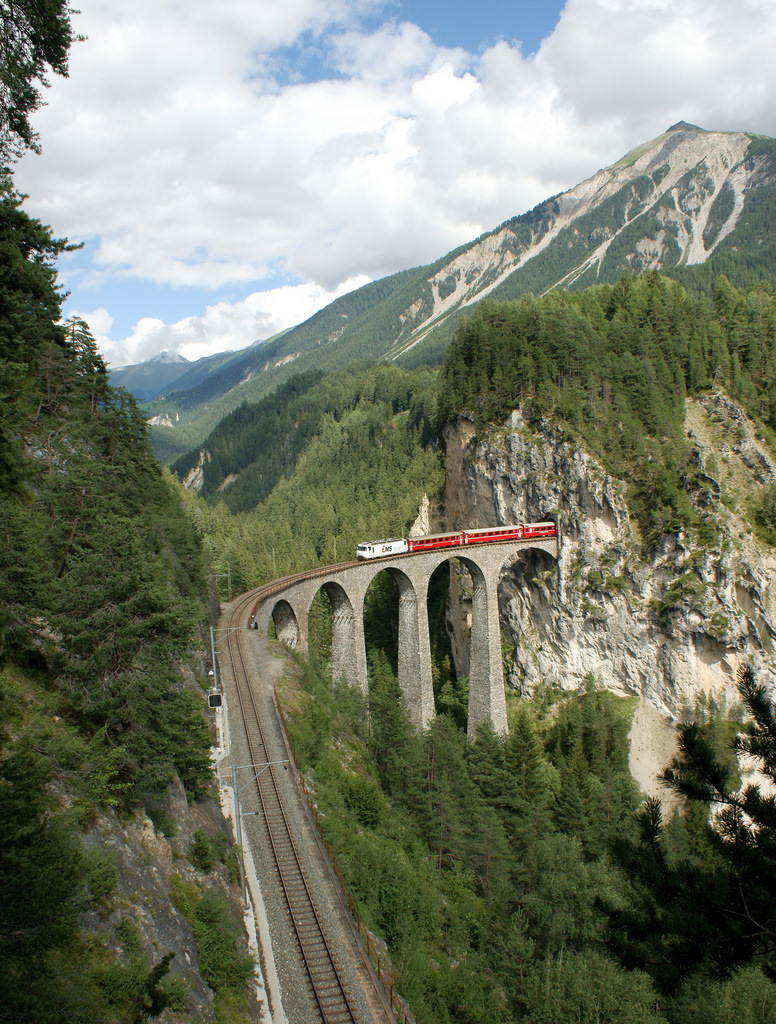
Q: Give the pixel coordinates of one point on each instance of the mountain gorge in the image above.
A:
(639, 416)
(691, 203)
(553, 367)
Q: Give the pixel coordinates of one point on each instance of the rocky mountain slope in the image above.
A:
(676, 203)
(668, 627)
(669, 203)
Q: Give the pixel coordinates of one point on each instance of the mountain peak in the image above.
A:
(169, 357)
(684, 126)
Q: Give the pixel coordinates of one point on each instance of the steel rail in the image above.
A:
(325, 980)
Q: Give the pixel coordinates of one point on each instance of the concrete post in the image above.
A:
(359, 640)
(427, 710)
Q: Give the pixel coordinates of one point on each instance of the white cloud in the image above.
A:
(224, 327)
(639, 60)
(179, 152)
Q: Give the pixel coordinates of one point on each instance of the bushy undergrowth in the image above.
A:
(489, 867)
(223, 962)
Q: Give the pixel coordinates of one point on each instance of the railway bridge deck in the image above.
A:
(287, 604)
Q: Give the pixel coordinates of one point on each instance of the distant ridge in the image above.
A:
(691, 204)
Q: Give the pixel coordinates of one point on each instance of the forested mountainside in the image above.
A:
(612, 364)
(363, 471)
(258, 370)
(383, 408)
(524, 878)
(102, 595)
(692, 204)
(516, 880)
(616, 363)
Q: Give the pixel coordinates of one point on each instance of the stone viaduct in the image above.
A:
(346, 587)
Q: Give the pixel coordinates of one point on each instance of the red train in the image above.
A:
(460, 538)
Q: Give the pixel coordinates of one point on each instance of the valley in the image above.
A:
(597, 851)
(691, 203)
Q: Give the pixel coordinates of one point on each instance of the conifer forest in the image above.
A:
(526, 878)
(519, 879)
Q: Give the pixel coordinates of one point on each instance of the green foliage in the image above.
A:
(748, 997)
(763, 515)
(452, 698)
(207, 850)
(100, 875)
(130, 989)
(612, 364)
(381, 618)
(377, 406)
(246, 441)
(36, 39)
(686, 588)
(490, 911)
(587, 988)
(707, 908)
(391, 731)
(488, 866)
(217, 933)
(163, 822)
(100, 570)
(184, 895)
(40, 865)
(720, 211)
(101, 577)
(312, 733)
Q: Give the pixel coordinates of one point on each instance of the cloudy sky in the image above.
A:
(231, 167)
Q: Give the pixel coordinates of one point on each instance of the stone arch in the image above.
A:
(286, 624)
(532, 587)
(414, 668)
(344, 663)
(487, 699)
(486, 567)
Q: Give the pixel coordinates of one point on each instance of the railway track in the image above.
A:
(325, 980)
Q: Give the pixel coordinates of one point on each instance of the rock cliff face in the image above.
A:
(153, 866)
(665, 625)
(140, 915)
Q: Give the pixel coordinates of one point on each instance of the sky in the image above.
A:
(232, 167)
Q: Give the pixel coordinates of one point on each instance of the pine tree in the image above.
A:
(716, 909)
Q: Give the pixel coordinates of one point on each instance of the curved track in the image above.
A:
(325, 980)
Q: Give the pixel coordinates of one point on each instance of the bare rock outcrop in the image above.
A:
(664, 624)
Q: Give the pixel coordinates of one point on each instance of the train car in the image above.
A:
(539, 530)
(516, 532)
(459, 538)
(381, 548)
(491, 533)
(437, 540)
